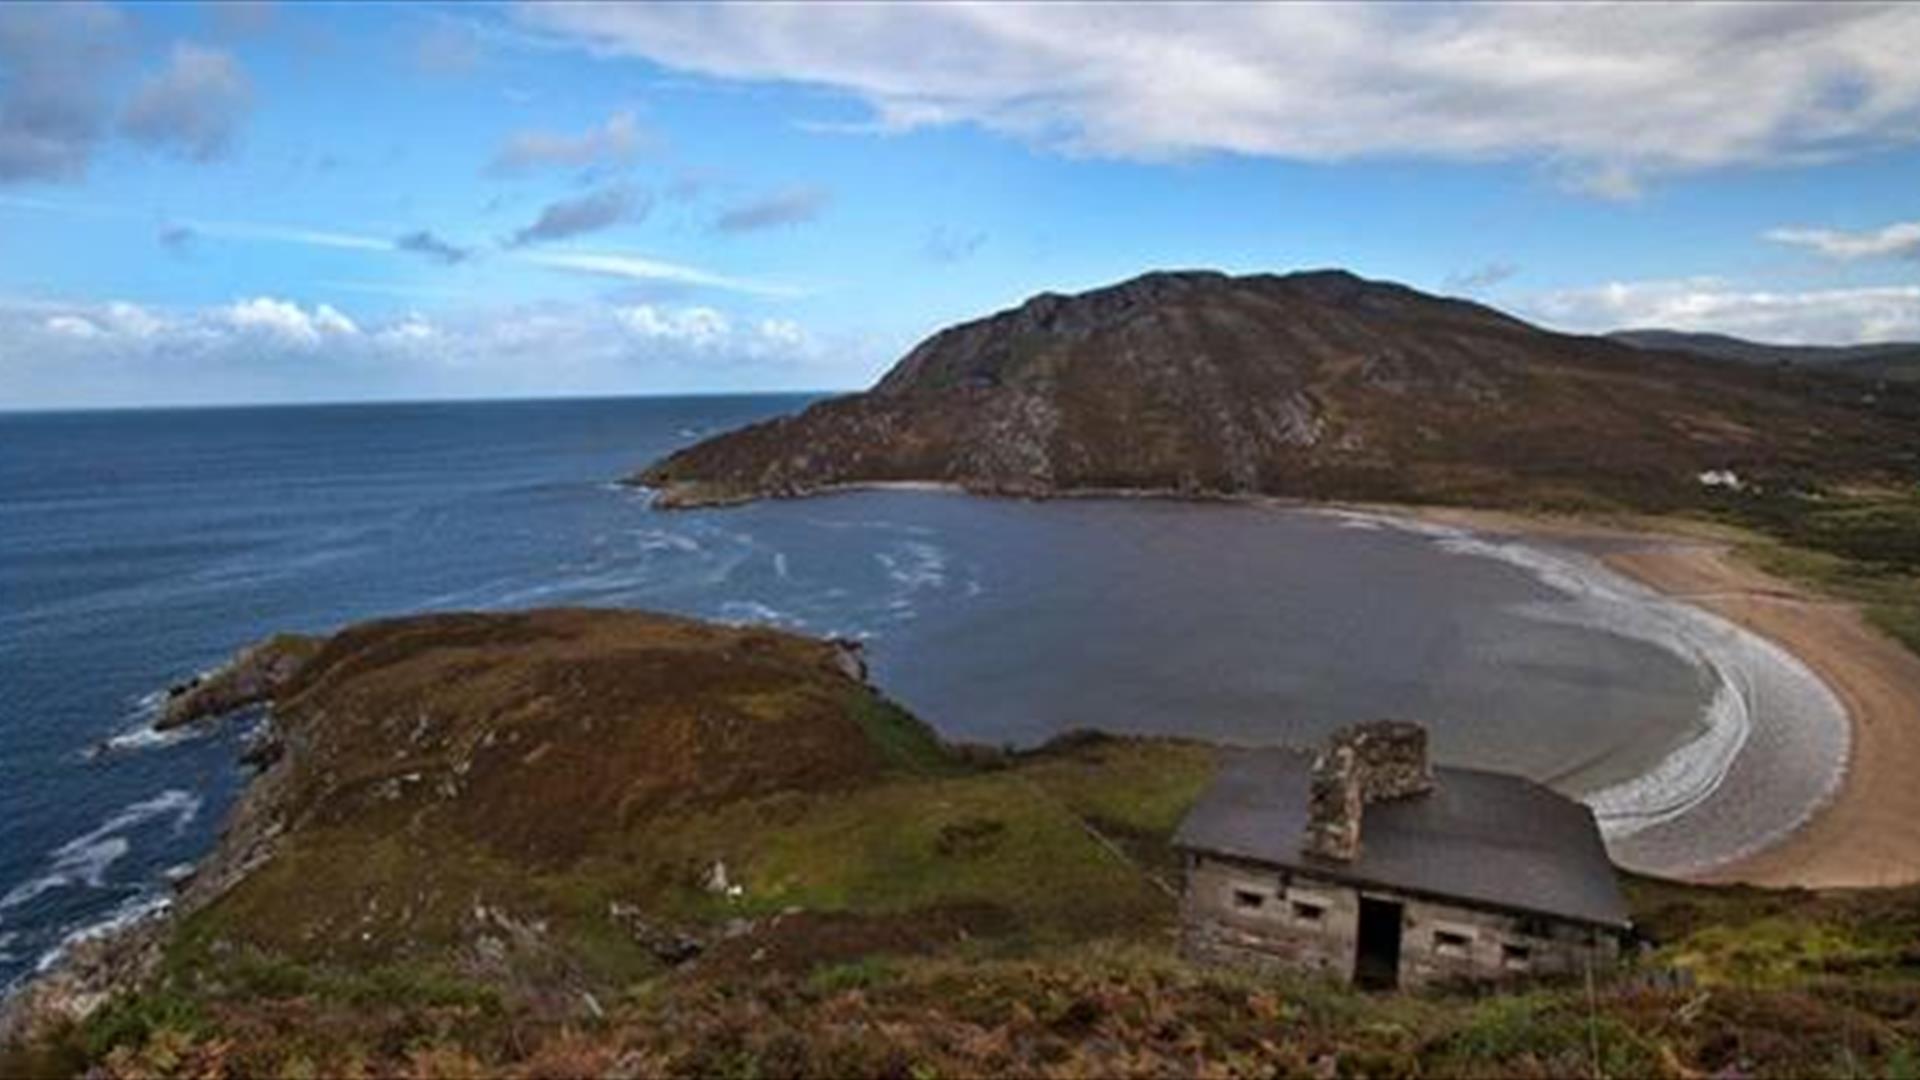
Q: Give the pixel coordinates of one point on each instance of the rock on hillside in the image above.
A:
(1315, 384)
(250, 678)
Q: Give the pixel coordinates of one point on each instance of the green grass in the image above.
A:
(1860, 546)
(904, 741)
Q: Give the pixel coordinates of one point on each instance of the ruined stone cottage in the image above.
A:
(1367, 863)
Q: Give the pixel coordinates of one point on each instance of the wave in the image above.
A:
(85, 859)
(137, 731)
(742, 612)
(915, 565)
(665, 540)
(135, 909)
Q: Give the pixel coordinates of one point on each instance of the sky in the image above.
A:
(263, 202)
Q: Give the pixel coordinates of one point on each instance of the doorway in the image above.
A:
(1376, 962)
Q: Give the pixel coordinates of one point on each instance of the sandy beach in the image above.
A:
(1868, 833)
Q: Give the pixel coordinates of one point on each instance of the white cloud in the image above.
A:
(132, 320)
(268, 348)
(1901, 240)
(618, 265)
(1814, 317)
(640, 268)
(614, 143)
(72, 326)
(699, 327)
(1605, 94)
(290, 234)
(288, 322)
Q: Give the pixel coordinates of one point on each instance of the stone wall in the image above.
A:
(1439, 941)
(1281, 931)
(1361, 764)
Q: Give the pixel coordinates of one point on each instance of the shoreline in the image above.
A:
(1864, 831)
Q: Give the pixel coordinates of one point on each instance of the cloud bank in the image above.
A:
(1603, 94)
(1813, 317)
(1899, 240)
(267, 348)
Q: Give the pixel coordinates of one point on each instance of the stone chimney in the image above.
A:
(1362, 764)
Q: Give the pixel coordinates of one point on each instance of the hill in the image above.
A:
(568, 843)
(1893, 361)
(1319, 385)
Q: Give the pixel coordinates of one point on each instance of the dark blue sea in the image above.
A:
(138, 548)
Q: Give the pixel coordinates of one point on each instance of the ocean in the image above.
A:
(138, 548)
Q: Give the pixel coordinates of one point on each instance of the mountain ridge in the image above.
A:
(1318, 384)
(1874, 360)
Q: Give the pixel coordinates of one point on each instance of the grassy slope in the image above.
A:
(1862, 546)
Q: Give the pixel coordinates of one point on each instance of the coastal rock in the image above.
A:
(1312, 385)
(250, 678)
(90, 972)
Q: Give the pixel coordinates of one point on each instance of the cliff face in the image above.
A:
(1315, 384)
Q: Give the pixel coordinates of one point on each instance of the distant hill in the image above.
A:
(1897, 360)
(1317, 385)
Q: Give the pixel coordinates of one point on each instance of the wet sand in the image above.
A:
(1868, 833)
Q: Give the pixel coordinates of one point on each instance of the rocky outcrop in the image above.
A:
(89, 973)
(250, 678)
(1317, 384)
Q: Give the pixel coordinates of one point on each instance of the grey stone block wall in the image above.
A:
(1222, 924)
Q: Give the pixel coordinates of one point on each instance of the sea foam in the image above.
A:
(85, 859)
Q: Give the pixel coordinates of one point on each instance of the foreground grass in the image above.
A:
(1099, 1008)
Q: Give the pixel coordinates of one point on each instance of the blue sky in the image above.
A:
(224, 203)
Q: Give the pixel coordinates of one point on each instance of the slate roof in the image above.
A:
(1483, 837)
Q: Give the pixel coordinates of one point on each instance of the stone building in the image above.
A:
(1367, 863)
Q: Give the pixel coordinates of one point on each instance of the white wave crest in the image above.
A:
(85, 859)
(743, 612)
(135, 909)
(915, 565)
